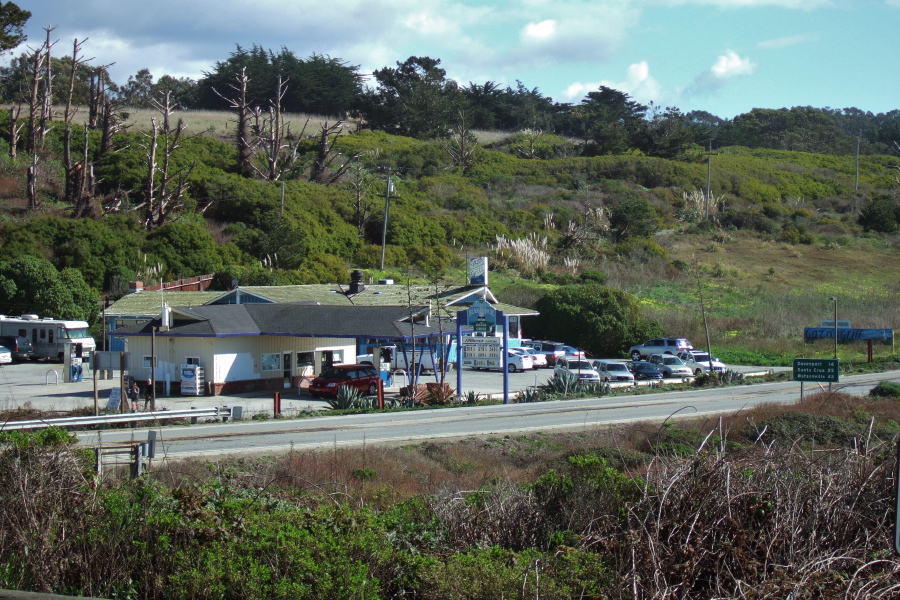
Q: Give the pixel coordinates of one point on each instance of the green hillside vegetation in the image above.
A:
(787, 230)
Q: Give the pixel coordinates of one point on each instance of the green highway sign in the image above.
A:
(816, 369)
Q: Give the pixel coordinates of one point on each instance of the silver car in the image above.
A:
(671, 366)
(613, 371)
(581, 369)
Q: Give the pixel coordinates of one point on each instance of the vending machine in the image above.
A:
(193, 381)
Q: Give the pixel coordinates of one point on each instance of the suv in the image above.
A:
(359, 377)
(552, 350)
(19, 346)
(671, 366)
(580, 368)
(698, 360)
(659, 346)
(613, 371)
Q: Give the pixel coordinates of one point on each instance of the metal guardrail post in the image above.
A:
(193, 419)
(151, 443)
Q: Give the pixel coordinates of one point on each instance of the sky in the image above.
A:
(721, 56)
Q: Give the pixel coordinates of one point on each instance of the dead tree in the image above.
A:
(15, 128)
(321, 171)
(165, 186)
(33, 132)
(73, 170)
(274, 156)
(360, 181)
(243, 111)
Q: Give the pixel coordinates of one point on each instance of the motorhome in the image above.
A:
(51, 338)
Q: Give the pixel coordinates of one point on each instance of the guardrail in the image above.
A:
(216, 412)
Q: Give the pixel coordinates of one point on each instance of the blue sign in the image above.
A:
(827, 333)
(481, 316)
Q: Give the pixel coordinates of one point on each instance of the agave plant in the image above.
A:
(600, 389)
(471, 397)
(561, 383)
(346, 398)
(531, 395)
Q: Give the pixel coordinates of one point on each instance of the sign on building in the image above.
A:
(478, 270)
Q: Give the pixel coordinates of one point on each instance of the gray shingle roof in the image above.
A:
(302, 320)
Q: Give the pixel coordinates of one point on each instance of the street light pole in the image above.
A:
(834, 299)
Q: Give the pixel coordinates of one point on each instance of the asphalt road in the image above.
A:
(273, 436)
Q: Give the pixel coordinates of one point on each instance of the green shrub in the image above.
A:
(886, 389)
(791, 427)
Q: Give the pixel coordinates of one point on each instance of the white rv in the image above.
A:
(51, 338)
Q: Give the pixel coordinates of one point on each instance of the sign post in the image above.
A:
(482, 350)
(817, 370)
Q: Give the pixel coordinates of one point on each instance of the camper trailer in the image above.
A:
(51, 338)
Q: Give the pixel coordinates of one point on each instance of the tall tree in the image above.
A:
(609, 119)
(415, 99)
(12, 25)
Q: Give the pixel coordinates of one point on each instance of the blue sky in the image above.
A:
(723, 56)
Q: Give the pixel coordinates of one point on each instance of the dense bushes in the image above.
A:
(577, 515)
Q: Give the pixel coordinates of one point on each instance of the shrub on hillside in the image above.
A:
(886, 389)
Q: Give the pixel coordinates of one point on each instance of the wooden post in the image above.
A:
(122, 382)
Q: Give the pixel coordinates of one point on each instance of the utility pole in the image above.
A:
(387, 207)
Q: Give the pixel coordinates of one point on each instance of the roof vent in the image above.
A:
(30, 317)
(356, 283)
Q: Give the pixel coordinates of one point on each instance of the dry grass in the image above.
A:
(221, 123)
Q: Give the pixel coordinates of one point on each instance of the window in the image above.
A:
(147, 361)
(49, 336)
(271, 362)
(43, 334)
(192, 360)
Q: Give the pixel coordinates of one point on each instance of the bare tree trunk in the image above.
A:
(15, 128)
(242, 133)
(165, 189)
(37, 63)
(326, 156)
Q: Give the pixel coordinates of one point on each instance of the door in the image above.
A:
(288, 370)
(327, 360)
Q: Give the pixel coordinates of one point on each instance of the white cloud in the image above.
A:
(730, 65)
(540, 31)
(638, 84)
(792, 4)
(426, 24)
(893, 3)
(787, 41)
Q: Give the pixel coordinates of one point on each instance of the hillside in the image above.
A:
(786, 230)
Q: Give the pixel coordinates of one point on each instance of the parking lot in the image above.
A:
(41, 385)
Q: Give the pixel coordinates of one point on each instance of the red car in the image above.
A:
(359, 377)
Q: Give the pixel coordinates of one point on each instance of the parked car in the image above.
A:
(644, 370)
(659, 346)
(20, 347)
(581, 369)
(5, 355)
(698, 361)
(518, 361)
(530, 353)
(359, 377)
(671, 366)
(552, 350)
(571, 352)
(613, 371)
(539, 360)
